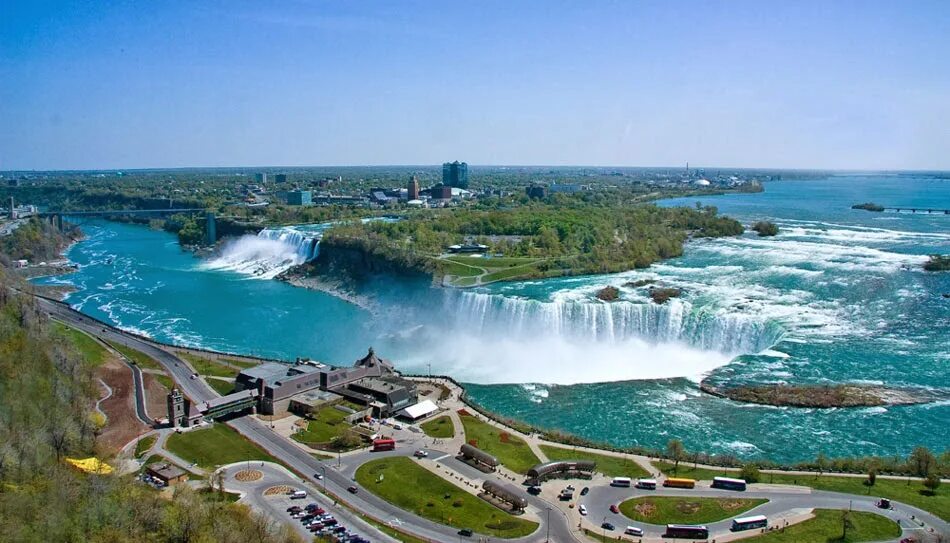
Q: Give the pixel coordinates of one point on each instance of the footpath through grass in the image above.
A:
(678, 510)
(510, 449)
(827, 527)
(441, 427)
(91, 350)
(215, 446)
(611, 466)
(895, 489)
(414, 488)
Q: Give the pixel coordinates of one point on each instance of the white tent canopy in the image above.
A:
(419, 410)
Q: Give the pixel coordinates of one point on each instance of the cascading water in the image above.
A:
(677, 321)
(269, 253)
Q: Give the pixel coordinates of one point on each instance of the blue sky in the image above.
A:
(122, 84)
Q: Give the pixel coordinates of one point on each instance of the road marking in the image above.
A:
(441, 458)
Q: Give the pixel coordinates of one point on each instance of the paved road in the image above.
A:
(337, 481)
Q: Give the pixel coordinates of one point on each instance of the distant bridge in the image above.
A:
(56, 217)
(917, 210)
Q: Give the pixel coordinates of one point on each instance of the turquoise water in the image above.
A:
(838, 296)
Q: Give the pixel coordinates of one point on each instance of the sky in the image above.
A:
(806, 84)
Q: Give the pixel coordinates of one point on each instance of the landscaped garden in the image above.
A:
(402, 482)
(677, 510)
(510, 449)
(440, 427)
(215, 446)
(828, 526)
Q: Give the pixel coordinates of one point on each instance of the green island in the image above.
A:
(822, 396)
(542, 239)
(868, 206)
(510, 449)
(677, 510)
(611, 466)
(765, 228)
(440, 427)
(828, 526)
(908, 491)
(938, 263)
(402, 482)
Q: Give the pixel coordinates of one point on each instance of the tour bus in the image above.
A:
(749, 523)
(646, 484)
(384, 444)
(680, 483)
(686, 531)
(728, 484)
(621, 481)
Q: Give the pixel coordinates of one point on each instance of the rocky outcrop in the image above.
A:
(608, 294)
(824, 396)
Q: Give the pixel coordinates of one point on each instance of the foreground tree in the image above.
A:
(751, 473)
(676, 452)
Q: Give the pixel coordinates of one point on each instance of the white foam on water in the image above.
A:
(268, 254)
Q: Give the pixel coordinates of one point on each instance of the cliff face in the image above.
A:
(351, 263)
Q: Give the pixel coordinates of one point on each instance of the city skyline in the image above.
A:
(849, 86)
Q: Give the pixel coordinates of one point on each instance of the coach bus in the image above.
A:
(726, 483)
(384, 445)
(621, 481)
(749, 523)
(680, 483)
(686, 531)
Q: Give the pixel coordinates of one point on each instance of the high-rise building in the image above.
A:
(299, 198)
(455, 174)
(280, 178)
(413, 189)
(260, 177)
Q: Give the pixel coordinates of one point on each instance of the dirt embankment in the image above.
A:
(121, 425)
(825, 396)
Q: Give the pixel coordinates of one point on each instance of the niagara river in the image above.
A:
(838, 296)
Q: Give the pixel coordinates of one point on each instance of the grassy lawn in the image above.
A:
(327, 423)
(898, 490)
(676, 510)
(826, 527)
(165, 380)
(238, 363)
(215, 446)
(414, 488)
(459, 270)
(441, 427)
(91, 350)
(144, 444)
(206, 366)
(509, 273)
(140, 358)
(598, 535)
(610, 466)
(510, 450)
(221, 387)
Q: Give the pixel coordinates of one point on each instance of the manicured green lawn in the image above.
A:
(328, 423)
(510, 450)
(441, 427)
(140, 358)
(205, 366)
(827, 525)
(677, 510)
(165, 380)
(215, 446)
(91, 350)
(610, 466)
(687, 471)
(898, 490)
(221, 387)
(414, 488)
(144, 444)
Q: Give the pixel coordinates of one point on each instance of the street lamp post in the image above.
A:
(547, 538)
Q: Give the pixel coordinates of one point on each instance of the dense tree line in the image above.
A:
(575, 237)
(46, 397)
(35, 240)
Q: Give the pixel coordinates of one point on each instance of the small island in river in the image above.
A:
(823, 396)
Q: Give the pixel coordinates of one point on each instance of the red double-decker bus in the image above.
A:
(384, 444)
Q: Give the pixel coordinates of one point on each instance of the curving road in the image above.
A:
(337, 480)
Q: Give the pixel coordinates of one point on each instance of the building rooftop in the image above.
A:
(272, 372)
(165, 470)
(315, 397)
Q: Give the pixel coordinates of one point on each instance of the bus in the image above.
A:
(621, 481)
(646, 484)
(680, 483)
(686, 531)
(385, 444)
(749, 523)
(726, 483)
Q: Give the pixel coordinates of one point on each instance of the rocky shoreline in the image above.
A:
(824, 396)
(333, 288)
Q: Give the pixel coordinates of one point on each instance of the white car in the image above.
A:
(420, 454)
(583, 509)
(633, 530)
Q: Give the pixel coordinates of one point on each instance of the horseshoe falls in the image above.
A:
(839, 296)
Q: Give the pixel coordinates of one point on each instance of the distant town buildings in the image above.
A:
(536, 191)
(260, 177)
(413, 189)
(280, 178)
(299, 197)
(455, 174)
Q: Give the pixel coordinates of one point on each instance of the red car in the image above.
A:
(614, 509)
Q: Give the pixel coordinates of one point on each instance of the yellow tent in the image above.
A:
(90, 465)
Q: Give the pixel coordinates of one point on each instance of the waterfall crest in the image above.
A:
(269, 253)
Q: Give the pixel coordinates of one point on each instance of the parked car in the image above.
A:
(466, 532)
(582, 509)
(607, 526)
(534, 490)
(352, 490)
(584, 491)
(614, 509)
